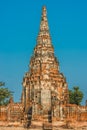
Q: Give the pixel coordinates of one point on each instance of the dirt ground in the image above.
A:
(20, 128)
(37, 126)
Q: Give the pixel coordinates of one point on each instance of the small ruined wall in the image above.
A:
(11, 112)
(83, 113)
(74, 112)
(3, 113)
(14, 112)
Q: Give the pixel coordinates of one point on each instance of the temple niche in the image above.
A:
(45, 89)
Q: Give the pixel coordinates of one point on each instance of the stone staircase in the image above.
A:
(40, 126)
(47, 126)
(35, 125)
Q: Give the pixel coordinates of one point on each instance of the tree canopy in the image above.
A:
(5, 94)
(2, 84)
(75, 96)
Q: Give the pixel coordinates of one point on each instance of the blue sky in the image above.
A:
(19, 27)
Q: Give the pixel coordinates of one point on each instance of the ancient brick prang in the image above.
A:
(45, 98)
(44, 87)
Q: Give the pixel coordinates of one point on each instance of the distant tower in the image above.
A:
(45, 89)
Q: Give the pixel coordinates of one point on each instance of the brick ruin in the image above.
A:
(45, 91)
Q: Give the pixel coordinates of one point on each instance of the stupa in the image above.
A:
(45, 99)
(45, 89)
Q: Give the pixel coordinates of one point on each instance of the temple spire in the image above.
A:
(44, 22)
(44, 28)
(44, 12)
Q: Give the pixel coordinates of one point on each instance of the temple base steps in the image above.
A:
(39, 125)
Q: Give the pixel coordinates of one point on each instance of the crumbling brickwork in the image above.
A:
(43, 85)
(12, 112)
(45, 91)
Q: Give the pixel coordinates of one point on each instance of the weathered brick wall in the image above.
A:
(83, 113)
(11, 112)
(3, 116)
(3, 113)
(74, 112)
(14, 112)
(83, 116)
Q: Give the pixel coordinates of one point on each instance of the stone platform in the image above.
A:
(39, 126)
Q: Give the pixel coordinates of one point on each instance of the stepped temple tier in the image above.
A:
(45, 89)
(45, 98)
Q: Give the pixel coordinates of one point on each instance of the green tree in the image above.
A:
(2, 84)
(5, 94)
(75, 96)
